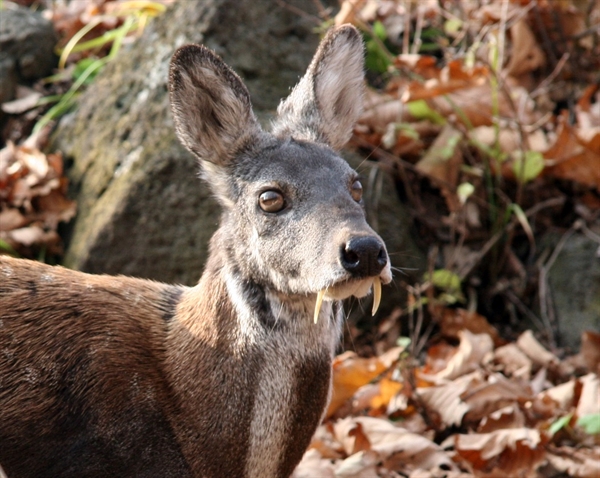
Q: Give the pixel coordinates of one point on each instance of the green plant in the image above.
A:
(135, 13)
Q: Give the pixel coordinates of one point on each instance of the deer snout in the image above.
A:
(364, 256)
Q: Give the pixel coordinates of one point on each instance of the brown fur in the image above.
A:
(62, 385)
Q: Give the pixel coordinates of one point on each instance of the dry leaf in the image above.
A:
(514, 361)
(534, 350)
(526, 55)
(589, 399)
(351, 372)
(574, 157)
(360, 465)
(445, 400)
(496, 393)
(575, 463)
(312, 465)
(512, 452)
(590, 350)
(510, 416)
(469, 354)
(452, 321)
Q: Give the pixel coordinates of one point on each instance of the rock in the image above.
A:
(27, 43)
(574, 281)
(141, 209)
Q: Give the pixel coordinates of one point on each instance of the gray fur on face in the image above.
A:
(296, 250)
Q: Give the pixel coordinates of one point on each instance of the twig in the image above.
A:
(418, 29)
(550, 78)
(406, 37)
(496, 237)
(299, 12)
(524, 309)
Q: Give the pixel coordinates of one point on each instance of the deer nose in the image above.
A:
(364, 256)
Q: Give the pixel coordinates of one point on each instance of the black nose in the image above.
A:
(364, 256)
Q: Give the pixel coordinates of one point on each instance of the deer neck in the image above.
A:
(269, 366)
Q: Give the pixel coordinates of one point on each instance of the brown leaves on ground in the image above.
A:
(502, 96)
(32, 199)
(474, 409)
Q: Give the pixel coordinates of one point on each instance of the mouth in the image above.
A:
(356, 288)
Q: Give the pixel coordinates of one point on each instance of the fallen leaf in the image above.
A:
(22, 103)
(582, 463)
(512, 452)
(351, 372)
(493, 394)
(397, 447)
(589, 399)
(590, 350)
(312, 465)
(513, 360)
(470, 352)
(441, 163)
(526, 56)
(573, 157)
(445, 400)
(530, 346)
(563, 394)
(510, 416)
(11, 219)
(453, 320)
(360, 465)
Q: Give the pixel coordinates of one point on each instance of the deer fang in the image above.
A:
(376, 294)
(320, 296)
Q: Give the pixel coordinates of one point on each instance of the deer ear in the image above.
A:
(210, 104)
(327, 101)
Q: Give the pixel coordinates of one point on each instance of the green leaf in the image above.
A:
(379, 30)
(590, 423)
(445, 279)
(377, 59)
(420, 110)
(522, 218)
(7, 248)
(403, 342)
(449, 283)
(81, 68)
(464, 191)
(453, 26)
(560, 423)
(528, 166)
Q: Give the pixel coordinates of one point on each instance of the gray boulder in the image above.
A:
(27, 43)
(574, 281)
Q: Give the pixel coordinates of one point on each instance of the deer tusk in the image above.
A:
(320, 296)
(376, 294)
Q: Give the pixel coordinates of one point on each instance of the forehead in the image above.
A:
(295, 161)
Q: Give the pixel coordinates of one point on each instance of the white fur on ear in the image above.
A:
(327, 101)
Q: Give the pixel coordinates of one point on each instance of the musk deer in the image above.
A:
(115, 376)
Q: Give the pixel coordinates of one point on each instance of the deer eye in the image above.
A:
(356, 190)
(271, 201)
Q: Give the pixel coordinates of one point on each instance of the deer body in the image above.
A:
(115, 376)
